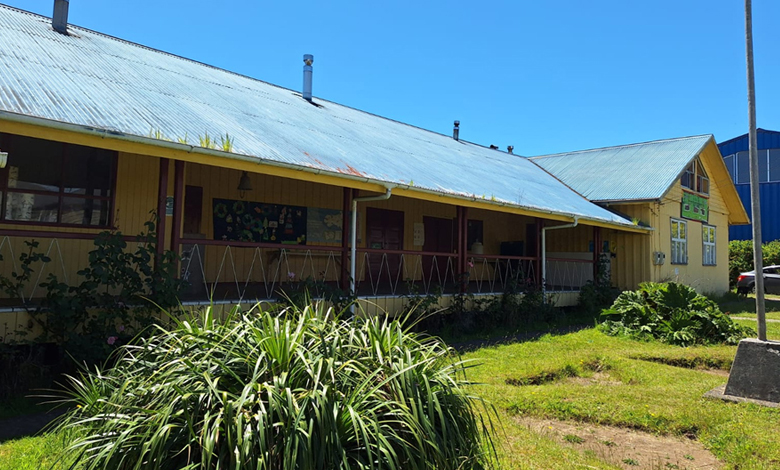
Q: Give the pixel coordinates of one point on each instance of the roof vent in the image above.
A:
(510, 149)
(59, 19)
(308, 59)
(456, 131)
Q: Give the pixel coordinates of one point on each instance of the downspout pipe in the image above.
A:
(544, 252)
(353, 236)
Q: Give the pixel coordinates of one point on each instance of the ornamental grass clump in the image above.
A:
(296, 389)
(672, 313)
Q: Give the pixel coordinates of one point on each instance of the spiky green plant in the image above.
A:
(226, 142)
(300, 389)
(206, 141)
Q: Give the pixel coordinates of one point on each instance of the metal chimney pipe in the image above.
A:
(308, 59)
(456, 131)
(59, 19)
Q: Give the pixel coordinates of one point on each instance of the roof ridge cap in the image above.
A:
(561, 154)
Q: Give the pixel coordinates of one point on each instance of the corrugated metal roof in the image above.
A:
(765, 139)
(642, 171)
(90, 79)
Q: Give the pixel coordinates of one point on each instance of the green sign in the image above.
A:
(695, 207)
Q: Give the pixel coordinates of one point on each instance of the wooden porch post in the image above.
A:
(539, 225)
(345, 228)
(596, 254)
(462, 223)
(178, 203)
(162, 196)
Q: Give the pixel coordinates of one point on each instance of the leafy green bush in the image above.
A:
(741, 257)
(672, 313)
(289, 390)
(117, 295)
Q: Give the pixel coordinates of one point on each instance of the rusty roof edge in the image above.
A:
(189, 148)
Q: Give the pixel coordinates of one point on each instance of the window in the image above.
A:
(48, 182)
(729, 160)
(743, 168)
(708, 245)
(695, 178)
(774, 164)
(679, 242)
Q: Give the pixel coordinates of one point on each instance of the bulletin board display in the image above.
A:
(259, 222)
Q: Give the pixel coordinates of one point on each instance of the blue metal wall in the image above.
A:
(768, 192)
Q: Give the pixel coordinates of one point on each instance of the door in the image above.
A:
(771, 281)
(385, 231)
(438, 239)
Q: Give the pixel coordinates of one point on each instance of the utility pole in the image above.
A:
(755, 203)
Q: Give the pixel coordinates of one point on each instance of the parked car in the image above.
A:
(746, 282)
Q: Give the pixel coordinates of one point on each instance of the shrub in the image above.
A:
(117, 295)
(741, 257)
(295, 389)
(672, 313)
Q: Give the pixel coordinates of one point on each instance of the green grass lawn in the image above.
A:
(591, 378)
(746, 306)
(636, 389)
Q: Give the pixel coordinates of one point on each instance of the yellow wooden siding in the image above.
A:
(632, 252)
(709, 279)
(136, 192)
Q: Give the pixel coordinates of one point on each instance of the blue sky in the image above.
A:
(546, 76)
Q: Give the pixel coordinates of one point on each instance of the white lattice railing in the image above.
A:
(567, 275)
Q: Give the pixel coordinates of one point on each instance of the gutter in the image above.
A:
(353, 237)
(544, 252)
(189, 148)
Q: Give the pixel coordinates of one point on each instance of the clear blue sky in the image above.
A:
(544, 76)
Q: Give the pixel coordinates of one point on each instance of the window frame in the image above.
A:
(682, 242)
(61, 195)
(694, 178)
(709, 243)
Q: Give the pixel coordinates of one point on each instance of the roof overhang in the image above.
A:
(719, 174)
(32, 126)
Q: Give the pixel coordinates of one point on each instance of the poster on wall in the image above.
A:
(258, 222)
(324, 225)
(695, 207)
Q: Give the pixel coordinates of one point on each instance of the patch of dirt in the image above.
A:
(598, 378)
(628, 449)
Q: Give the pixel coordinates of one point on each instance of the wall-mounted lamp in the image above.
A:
(3, 159)
(244, 184)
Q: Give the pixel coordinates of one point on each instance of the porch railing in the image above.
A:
(221, 270)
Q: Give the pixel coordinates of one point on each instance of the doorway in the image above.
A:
(385, 231)
(439, 238)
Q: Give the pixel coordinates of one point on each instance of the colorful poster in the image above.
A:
(695, 207)
(248, 221)
(324, 225)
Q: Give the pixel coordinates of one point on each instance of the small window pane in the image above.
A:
(80, 211)
(743, 168)
(31, 207)
(88, 171)
(774, 165)
(34, 164)
(729, 161)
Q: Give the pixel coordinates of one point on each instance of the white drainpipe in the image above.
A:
(353, 237)
(544, 252)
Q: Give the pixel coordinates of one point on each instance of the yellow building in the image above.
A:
(255, 185)
(680, 188)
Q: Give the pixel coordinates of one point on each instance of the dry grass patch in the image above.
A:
(626, 448)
